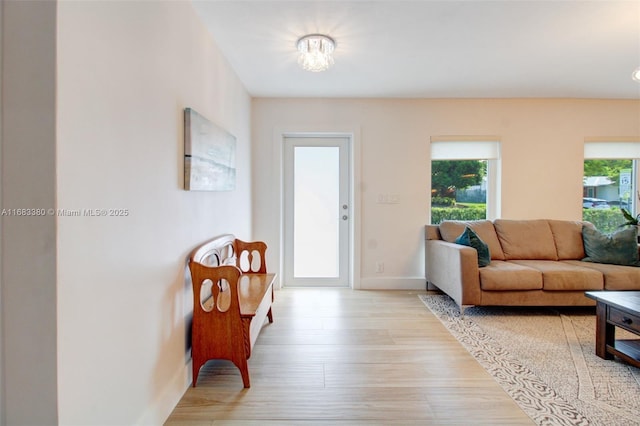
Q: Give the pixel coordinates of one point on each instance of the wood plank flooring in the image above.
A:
(345, 357)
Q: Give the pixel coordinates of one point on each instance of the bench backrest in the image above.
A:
(228, 250)
(210, 292)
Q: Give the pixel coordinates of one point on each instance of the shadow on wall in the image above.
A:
(171, 367)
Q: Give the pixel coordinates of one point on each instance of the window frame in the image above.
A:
(616, 148)
(472, 148)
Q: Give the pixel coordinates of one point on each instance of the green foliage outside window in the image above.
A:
(606, 220)
(438, 214)
(608, 168)
(448, 177)
(442, 201)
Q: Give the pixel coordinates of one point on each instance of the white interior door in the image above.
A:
(317, 211)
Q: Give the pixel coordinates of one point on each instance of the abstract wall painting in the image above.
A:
(209, 155)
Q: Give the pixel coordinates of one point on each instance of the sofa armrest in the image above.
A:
(453, 268)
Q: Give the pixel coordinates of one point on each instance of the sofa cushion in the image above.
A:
(501, 275)
(526, 239)
(619, 248)
(451, 229)
(616, 277)
(565, 276)
(567, 235)
(432, 232)
(471, 239)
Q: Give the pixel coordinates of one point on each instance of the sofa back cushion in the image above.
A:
(452, 229)
(567, 236)
(431, 232)
(526, 239)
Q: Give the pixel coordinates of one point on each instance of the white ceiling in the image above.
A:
(434, 49)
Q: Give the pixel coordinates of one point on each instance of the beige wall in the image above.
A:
(126, 70)
(3, 410)
(542, 154)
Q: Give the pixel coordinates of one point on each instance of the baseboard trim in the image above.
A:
(161, 408)
(393, 283)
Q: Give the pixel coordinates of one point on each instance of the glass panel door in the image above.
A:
(317, 212)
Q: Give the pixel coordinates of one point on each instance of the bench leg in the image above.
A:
(244, 372)
(270, 315)
(196, 364)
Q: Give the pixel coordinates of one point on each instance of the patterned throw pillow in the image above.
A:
(619, 248)
(471, 239)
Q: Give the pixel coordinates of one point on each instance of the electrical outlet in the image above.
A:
(379, 267)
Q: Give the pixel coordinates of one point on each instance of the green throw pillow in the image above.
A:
(619, 248)
(471, 239)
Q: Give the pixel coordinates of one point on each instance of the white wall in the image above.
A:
(126, 70)
(28, 261)
(3, 410)
(542, 155)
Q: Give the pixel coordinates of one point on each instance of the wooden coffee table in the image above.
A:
(617, 309)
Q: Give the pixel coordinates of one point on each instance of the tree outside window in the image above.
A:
(458, 190)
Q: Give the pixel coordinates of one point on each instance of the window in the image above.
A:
(610, 182)
(464, 178)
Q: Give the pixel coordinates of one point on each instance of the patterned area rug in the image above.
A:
(544, 358)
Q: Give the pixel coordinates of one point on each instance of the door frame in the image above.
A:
(343, 147)
(352, 134)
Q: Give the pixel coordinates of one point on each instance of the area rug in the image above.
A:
(544, 358)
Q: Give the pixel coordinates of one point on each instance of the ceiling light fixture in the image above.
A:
(315, 52)
(636, 74)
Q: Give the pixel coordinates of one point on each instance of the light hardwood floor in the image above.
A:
(344, 357)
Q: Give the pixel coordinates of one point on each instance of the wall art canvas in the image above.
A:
(209, 155)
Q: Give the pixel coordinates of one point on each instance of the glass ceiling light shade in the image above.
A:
(315, 52)
(636, 74)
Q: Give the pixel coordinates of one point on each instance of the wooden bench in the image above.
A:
(232, 297)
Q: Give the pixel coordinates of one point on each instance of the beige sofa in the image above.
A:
(533, 263)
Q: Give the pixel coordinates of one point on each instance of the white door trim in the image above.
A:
(353, 134)
(339, 212)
